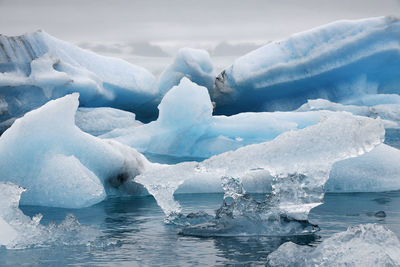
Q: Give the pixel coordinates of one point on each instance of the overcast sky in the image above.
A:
(180, 20)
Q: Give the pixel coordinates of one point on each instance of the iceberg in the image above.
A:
(196, 133)
(375, 171)
(61, 166)
(361, 245)
(389, 112)
(18, 231)
(37, 67)
(299, 162)
(194, 64)
(99, 121)
(338, 61)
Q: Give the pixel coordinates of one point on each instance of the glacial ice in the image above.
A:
(37, 67)
(196, 133)
(60, 165)
(339, 61)
(298, 160)
(194, 64)
(389, 112)
(18, 231)
(361, 245)
(375, 171)
(241, 215)
(98, 121)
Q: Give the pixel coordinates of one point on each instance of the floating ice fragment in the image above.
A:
(18, 231)
(361, 245)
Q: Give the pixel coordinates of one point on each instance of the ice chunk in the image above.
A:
(390, 113)
(375, 171)
(194, 64)
(339, 61)
(240, 214)
(361, 245)
(19, 231)
(98, 121)
(60, 165)
(299, 162)
(37, 67)
(196, 133)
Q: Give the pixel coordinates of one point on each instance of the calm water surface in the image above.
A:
(135, 234)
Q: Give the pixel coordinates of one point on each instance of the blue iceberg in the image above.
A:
(339, 61)
(37, 67)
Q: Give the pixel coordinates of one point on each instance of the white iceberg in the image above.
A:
(194, 64)
(376, 171)
(339, 61)
(37, 67)
(361, 245)
(60, 165)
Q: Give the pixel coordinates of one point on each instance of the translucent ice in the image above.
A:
(60, 165)
(37, 67)
(194, 64)
(389, 112)
(299, 162)
(339, 61)
(19, 231)
(362, 245)
(240, 214)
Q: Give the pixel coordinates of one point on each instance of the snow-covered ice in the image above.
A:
(361, 245)
(338, 61)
